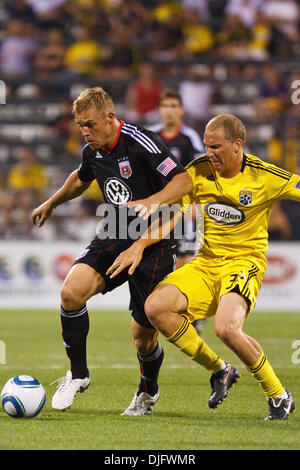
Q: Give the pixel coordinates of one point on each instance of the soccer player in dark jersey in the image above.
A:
(185, 144)
(129, 164)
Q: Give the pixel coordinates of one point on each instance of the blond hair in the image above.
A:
(95, 98)
(232, 126)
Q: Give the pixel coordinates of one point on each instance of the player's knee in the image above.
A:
(71, 299)
(144, 344)
(154, 307)
(227, 332)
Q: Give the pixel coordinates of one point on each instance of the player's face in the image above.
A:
(225, 155)
(97, 128)
(171, 111)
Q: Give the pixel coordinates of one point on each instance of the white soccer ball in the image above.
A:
(23, 396)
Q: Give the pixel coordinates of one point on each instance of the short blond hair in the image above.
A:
(95, 98)
(232, 126)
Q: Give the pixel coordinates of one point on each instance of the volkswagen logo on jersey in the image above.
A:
(125, 169)
(116, 191)
(245, 197)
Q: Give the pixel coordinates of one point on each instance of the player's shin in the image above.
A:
(149, 370)
(266, 377)
(75, 327)
(187, 340)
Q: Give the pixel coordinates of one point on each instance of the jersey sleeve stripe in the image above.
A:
(200, 159)
(150, 149)
(286, 176)
(135, 133)
(194, 137)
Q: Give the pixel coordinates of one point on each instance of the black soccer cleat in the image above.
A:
(221, 382)
(280, 408)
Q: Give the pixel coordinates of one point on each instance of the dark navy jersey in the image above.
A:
(138, 165)
(185, 145)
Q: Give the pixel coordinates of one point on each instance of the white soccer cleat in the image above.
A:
(141, 404)
(67, 389)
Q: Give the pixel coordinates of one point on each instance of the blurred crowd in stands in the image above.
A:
(238, 56)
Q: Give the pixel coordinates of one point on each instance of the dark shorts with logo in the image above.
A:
(158, 261)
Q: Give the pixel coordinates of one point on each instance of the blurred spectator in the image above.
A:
(17, 48)
(26, 184)
(284, 14)
(273, 93)
(165, 10)
(49, 59)
(48, 12)
(197, 92)
(89, 13)
(67, 129)
(167, 39)
(83, 226)
(83, 56)
(143, 96)
(201, 6)
(246, 10)
(198, 37)
(123, 56)
(216, 10)
(261, 34)
(21, 10)
(233, 38)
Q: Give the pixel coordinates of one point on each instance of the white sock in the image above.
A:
(284, 395)
(223, 366)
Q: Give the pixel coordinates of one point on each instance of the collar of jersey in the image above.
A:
(109, 149)
(176, 133)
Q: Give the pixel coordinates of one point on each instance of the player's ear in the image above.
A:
(237, 144)
(110, 116)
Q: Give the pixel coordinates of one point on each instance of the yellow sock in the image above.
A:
(187, 340)
(265, 375)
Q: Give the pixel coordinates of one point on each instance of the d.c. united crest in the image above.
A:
(125, 169)
(245, 197)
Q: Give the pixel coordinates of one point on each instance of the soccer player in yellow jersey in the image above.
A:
(237, 192)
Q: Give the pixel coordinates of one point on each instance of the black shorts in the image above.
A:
(157, 262)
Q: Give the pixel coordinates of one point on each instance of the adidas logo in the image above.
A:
(98, 155)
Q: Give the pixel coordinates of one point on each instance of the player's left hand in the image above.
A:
(130, 257)
(143, 207)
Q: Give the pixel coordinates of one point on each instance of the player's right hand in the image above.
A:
(42, 213)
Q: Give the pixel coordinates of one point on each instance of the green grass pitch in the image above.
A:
(181, 419)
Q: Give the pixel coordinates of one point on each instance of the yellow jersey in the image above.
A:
(236, 210)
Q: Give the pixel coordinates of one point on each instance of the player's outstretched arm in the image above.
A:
(73, 187)
(133, 255)
(179, 186)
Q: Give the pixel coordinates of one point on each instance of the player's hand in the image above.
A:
(143, 207)
(130, 257)
(42, 213)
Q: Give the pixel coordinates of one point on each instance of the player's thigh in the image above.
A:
(197, 297)
(165, 298)
(81, 283)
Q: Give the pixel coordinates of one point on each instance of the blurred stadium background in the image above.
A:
(235, 56)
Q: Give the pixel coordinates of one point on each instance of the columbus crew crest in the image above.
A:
(125, 169)
(245, 197)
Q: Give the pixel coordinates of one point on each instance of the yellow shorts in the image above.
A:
(204, 280)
